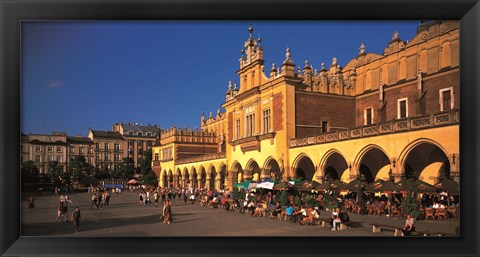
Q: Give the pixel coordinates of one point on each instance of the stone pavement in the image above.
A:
(125, 217)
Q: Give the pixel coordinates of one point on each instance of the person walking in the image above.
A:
(155, 198)
(167, 213)
(76, 219)
(94, 201)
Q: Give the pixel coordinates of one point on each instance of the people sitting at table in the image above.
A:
(215, 200)
(300, 214)
(259, 209)
(251, 207)
(335, 218)
(277, 211)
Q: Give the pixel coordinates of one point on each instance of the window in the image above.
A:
(368, 116)
(106, 157)
(130, 142)
(50, 149)
(237, 129)
(97, 156)
(59, 149)
(80, 150)
(156, 157)
(446, 99)
(130, 133)
(324, 127)
(116, 146)
(38, 159)
(89, 150)
(402, 111)
(89, 159)
(106, 146)
(149, 134)
(50, 158)
(140, 133)
(140, 143)
(250, 124)
(266, 121)
(59, 158)
(97, 145)
(116, 157)
(72, 150)
(37, 148)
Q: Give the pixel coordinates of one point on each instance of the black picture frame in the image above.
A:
(13, 12)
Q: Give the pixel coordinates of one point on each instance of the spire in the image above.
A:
(250, 29)
(362, 49)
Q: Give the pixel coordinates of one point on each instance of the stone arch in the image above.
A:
(193, 177)
(212, 177)
(178, 177)
(185, 177)
(252, 171)
(202, 177)
(334, 166)
(237, 172)
(164, 178)
(425, 159)
(271, 169)
(303, 167)
(222, 175)
(170, 178)
(371, 162)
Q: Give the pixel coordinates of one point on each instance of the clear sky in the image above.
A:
(78, 75)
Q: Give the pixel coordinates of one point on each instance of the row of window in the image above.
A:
(139, 133)
(250, 123)
(167, 153)
(446, 103)
(106, 157)
(106, 146)
(81, 150)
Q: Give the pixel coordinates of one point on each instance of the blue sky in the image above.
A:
(78, 75)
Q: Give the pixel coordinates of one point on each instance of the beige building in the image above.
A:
(42, 148)
(108, 149)
(137, 139)
(81, 146)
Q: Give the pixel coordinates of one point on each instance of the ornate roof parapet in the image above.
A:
(252, 49)
(288, 66)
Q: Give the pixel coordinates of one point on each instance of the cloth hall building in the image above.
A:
(388, 116)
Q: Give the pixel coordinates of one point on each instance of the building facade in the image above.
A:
(388, 116)
(42, 149)
(108, 149)
(137, 139)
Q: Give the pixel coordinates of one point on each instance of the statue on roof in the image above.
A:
(362, 48)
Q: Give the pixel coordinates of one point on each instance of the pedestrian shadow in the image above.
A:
(181, 221)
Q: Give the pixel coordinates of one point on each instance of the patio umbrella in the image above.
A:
(244, 185)
(335, 185)
(356, 185)
(132, 182)
(284, 185)
(295, 181)
(419, 185)
(307, 186)
(448, 185)
(267, 184)
(381, 185)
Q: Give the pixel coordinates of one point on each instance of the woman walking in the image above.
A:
(167, 213)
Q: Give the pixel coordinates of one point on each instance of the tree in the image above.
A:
(56, 174)
(411, 204)
(126, 170)
(79, 167)
(145, 163)
(283, 198)
(29, 172)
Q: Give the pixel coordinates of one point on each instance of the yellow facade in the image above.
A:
(400, 118)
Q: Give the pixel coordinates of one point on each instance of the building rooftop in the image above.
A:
(108, 134)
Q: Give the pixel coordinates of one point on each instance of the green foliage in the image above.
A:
(79, 168)
(236, 193)
(56, 174)
(410, 203)
(282, 198)
(150, 178)
(126, 170)
(30, 172)
(297, 200)
(145, 164)
(310, 201)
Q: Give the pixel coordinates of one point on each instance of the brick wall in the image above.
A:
(313, 108)
(429, 103)
(277, 112)
(230, 127)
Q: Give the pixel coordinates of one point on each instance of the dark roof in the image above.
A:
(132, 127)
(109, 134)
(79, 140)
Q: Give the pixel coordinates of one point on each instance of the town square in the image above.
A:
(366, 144)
